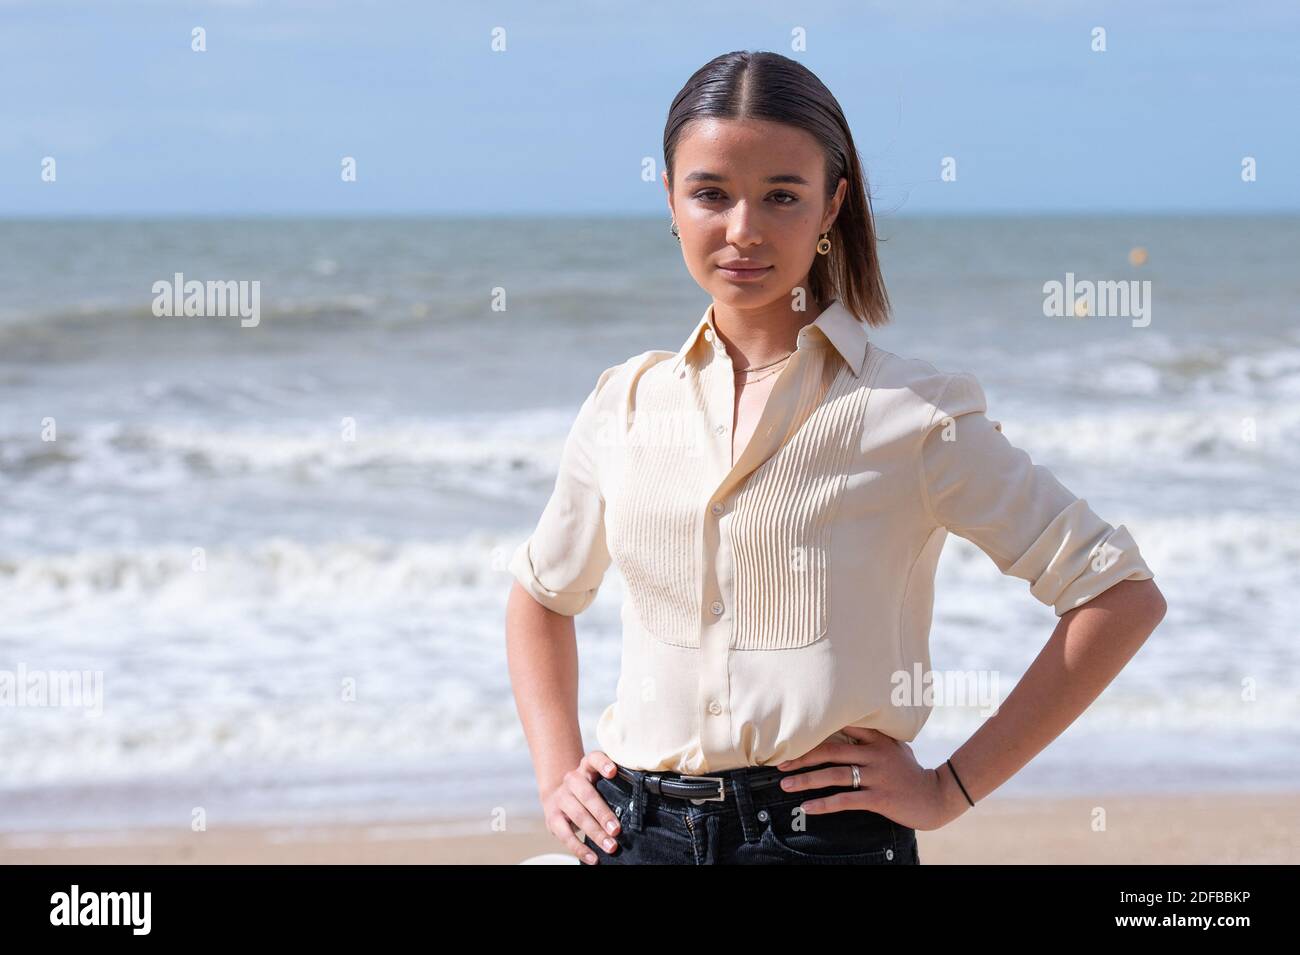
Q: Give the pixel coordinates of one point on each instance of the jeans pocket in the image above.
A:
(617, 800)
(847, 837)
(619, 803)
(907, 845)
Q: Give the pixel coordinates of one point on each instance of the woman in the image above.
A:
(776, 494)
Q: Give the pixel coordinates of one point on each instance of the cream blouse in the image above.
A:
(770, 601)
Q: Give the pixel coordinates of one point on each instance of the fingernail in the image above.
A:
(609, 767)
(787, 783)
(591, 859)
(610, 844)
(612, 826)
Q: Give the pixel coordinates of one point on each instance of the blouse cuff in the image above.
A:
(569, 603)
(1077, 557)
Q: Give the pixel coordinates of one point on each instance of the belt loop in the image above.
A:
(745, 805)
(636, 809)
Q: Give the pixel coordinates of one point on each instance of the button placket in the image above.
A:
(717, 742)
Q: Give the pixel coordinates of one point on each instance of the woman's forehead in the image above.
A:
(746, 147)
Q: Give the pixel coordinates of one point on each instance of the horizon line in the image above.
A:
(540, 216)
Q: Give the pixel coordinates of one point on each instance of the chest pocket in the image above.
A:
(779, 528)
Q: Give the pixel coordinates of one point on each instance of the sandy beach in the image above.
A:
(1158, 829)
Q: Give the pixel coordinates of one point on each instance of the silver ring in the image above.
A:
(857, 778)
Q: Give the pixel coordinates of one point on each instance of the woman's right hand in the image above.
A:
(575, 807)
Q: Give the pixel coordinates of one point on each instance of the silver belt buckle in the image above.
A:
(720, 797)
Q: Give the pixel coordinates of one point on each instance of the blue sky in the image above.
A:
(560, 122)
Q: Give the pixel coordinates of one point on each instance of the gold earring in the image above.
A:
(824, 244)
(673, 230)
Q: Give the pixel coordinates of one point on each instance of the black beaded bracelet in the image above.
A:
(956, 777)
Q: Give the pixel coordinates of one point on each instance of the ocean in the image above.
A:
(283, 545)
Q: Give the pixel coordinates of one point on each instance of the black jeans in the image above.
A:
(750, 827)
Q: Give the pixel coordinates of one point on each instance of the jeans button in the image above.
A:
(762, 815)
(889, 853)
(618, 811)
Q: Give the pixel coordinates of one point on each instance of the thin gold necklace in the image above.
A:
(751, 381)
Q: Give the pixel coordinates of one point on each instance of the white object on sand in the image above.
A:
(552, 858)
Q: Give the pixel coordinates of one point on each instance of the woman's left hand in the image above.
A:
(893, 783)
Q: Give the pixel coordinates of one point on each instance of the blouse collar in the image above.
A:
(837, 325)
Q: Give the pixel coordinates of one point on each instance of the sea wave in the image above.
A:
(276, 571)
(522, 448)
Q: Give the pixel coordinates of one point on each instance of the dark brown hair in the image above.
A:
(769, 86)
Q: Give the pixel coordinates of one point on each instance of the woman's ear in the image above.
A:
(836, 201)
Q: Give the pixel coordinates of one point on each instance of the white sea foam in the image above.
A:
(245, 661)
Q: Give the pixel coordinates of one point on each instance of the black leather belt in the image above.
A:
(701, 788)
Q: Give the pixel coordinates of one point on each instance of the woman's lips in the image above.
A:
(742, 275)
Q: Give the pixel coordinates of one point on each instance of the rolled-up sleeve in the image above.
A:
(564, 560)
(981, 487)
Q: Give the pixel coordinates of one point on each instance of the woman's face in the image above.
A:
(750, 195)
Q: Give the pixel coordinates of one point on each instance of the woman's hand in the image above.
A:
(893, 783)
(575, 807)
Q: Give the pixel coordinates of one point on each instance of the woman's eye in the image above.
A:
(713, 195)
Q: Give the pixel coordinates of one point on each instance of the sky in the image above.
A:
(563, 120)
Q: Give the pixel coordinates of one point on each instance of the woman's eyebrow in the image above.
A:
(702, 176)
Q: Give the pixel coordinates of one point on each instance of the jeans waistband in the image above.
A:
(719, 787)
(739, 789)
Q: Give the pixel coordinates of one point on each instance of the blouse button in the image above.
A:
(716, 607)
(715, 707)
(717, 507)
(720, 429)
(708, 334)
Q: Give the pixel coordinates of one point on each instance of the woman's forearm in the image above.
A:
(542, 655)
(1090, 645)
